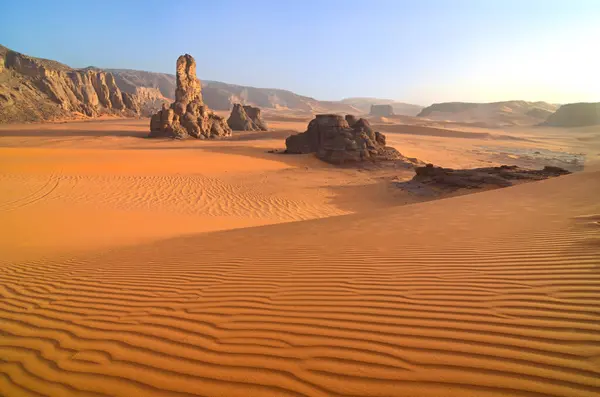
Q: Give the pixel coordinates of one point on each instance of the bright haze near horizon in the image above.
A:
(413, 51)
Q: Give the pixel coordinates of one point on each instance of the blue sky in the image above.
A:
(414, 51)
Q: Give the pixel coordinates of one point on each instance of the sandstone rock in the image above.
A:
(351, 120)
(129, 102)
(188, 115)
(256, 117)
(246, 118)
(503, 176)
(114, 93)
(382, 110)
(239, 120)
(188, 86)
(333, 140)
(49, 90)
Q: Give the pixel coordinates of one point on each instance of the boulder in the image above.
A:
(238, 119)
(333, 140)
(246, 118)
(188, 116)
(382, 110)
(254, 115)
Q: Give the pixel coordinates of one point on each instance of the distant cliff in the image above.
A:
(222, 96)
(575, 115)
(34, 89)
(495, 113)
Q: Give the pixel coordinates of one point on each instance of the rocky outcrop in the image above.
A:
(34, 89)
(575, 115)
(335, 141)
(254, 114)
(222, 96)
(351, 120)
(188, 116)
(382, 110)
(246, 118)
(26, 95)
(238, 119)
(447, 179)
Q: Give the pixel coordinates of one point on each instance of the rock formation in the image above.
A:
(575, 115)
(335, 141)
(64, 92)
(256, 117)
(448, 179)
(246, 118)
(382, 110)
(34, 89)
(351, 120)
(188, 115)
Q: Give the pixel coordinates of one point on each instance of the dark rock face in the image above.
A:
(333, 140)
(503, 176)
(382, 110)
(246, 118)
(188, 115)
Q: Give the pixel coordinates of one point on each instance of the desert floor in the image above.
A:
(138, 267)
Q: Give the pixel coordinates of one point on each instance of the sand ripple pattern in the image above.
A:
(182, 194)
(35, 190)
(369, 313)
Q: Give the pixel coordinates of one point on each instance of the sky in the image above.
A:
(416, 51)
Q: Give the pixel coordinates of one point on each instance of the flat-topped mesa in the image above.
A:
(335, 141)
(382, 110)
(246, 118)
(188, 115)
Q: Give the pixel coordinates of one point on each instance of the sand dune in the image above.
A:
(432, 131)
(422, 300)
(132, 267)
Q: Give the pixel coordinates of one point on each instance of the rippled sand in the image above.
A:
(133, 267)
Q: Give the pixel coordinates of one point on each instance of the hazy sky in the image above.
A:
(409, 50)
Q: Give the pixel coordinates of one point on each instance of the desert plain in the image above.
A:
(138, 267)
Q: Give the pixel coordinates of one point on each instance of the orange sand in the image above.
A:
(121, 273)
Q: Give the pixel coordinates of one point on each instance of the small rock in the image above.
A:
(246, 118)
